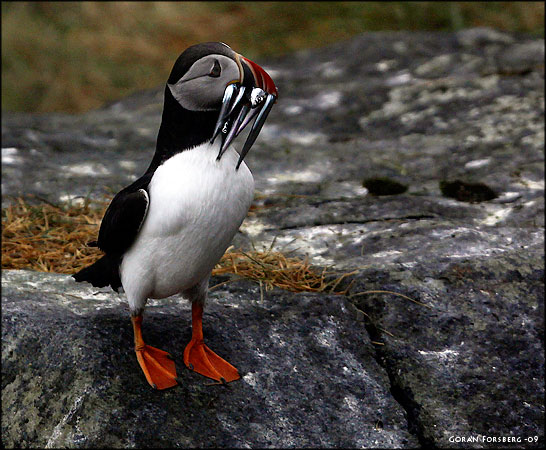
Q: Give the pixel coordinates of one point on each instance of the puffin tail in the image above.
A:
(102, 273)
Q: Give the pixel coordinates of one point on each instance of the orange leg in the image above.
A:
(157, 365)
(199, 358)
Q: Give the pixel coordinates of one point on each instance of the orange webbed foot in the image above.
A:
(158, 366)
(201, 359)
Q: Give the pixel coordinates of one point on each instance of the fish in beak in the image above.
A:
(245, 100)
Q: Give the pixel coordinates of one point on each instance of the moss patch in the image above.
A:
(467, 192)
(384, 186)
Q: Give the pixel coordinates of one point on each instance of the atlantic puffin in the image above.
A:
(163, 234)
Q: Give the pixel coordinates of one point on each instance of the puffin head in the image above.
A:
(211, 77)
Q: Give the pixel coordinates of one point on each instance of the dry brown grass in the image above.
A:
(275, 269)
(75, 56)
(51, 238)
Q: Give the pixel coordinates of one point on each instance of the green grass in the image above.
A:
(75, 56)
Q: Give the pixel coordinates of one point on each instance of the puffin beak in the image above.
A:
(243, 102)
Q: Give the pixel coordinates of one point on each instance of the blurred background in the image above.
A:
(76, 56)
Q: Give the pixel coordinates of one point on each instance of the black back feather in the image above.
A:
(118, 230)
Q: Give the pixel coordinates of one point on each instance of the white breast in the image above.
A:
(196, 206)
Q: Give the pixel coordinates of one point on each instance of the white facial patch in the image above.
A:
(197, 90)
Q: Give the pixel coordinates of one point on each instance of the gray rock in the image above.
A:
(415, 108)
(71, 379)
(481, 36)
(523, 58)
(472, 363)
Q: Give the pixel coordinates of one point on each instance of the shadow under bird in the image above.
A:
(163, 234)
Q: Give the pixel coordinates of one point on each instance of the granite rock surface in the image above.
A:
(309, 377)
(457, 120)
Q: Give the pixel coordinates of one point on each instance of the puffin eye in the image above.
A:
(216, 70)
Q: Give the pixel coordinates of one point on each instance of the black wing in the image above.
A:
(124, 217)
